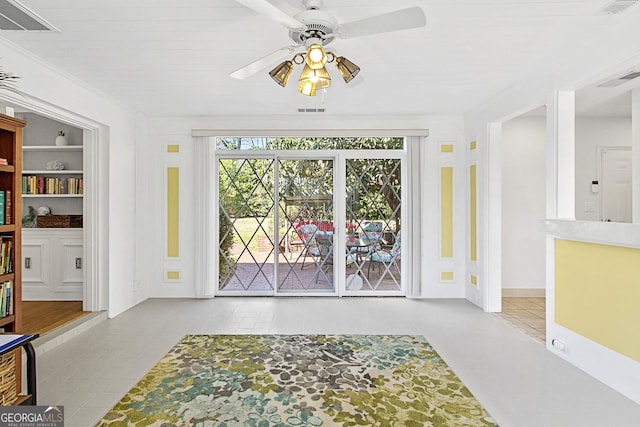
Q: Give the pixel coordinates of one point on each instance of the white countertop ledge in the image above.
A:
(604, 233)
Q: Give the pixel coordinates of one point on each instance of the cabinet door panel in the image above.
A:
(36, 277)
(53, 273)
(71, 273)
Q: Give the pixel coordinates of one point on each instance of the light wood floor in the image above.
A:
(44, 316)
(527, 314)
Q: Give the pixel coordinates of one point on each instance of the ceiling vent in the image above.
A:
(617, 6)
(17, 17)
(310, 110)
(621, 80)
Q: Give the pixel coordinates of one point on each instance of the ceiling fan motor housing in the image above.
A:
(320, 25)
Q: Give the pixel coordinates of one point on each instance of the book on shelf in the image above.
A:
(3, 161)
(34, 184)
(6, 255)
(2, 195)
(8, 207)
(6, 298)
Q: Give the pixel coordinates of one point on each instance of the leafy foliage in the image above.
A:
(225, 258)
(373, 186)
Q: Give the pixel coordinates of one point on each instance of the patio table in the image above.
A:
(358, 243)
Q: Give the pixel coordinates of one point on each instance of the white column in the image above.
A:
(492, 283)
(561, 175)
(635, 156)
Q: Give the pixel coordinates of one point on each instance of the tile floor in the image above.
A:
(527, 315)
(517, 380)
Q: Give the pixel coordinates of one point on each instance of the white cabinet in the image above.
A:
(52, 264)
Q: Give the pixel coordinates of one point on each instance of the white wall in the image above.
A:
(47, 91)
(591, 133)
(523, 188)
(523, 202)
(442, 129)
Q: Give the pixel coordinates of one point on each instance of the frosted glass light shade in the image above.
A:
(281, 73)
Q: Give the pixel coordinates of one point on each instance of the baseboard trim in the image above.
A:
(523, 292)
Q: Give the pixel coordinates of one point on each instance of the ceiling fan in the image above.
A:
(311, 30)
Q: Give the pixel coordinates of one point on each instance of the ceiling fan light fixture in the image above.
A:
(319, 77)
(347, 69)
(316, 57)
(307, 87)
(281, 73)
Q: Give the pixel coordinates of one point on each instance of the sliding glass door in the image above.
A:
(305, 194)
(281, 230)
(249, 225)
(373, 217)
(246, 203)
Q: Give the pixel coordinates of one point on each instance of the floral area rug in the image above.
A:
(300, 380)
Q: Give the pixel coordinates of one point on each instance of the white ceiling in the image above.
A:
(173, 57)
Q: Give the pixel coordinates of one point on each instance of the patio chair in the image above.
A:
(307, 233)
(325, 247)
(371, 232)
(384, 258)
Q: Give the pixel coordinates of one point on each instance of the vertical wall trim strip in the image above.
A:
(446, 211)
(473, 214)
(205, 259)
(173, 209)
(413, 207)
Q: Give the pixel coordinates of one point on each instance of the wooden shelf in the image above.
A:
(7, 168)
(53, 195)
(7, 228)
(52, 148)
(23, 399)
(53, 172)
(6, 277)
(7, 319)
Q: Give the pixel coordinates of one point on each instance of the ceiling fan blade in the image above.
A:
(262, 63)
(265, 8)
(402, 19)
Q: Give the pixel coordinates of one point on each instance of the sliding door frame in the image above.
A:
(206, 219)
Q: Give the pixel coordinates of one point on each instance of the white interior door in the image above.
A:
(615, 184)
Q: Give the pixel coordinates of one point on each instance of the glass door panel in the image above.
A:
(305, 216)
(246, 225)
(373, 208)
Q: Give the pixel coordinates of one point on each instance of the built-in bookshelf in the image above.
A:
(52, 174)
(10, 229)
(11, 130)
(46, 183)
(52, 210)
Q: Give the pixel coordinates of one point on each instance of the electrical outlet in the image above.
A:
(559, 345)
